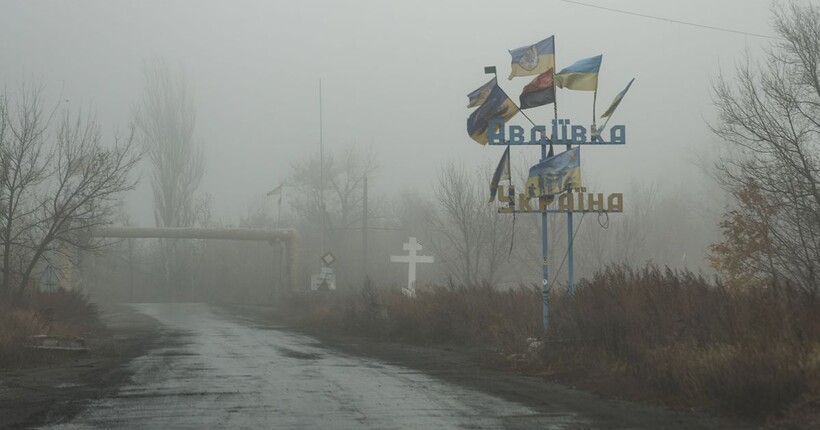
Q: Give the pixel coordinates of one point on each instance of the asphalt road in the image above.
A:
(217, 371)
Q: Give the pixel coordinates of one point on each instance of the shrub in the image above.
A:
(64, 313)
(750, 352)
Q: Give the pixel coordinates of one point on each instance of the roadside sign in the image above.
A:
(324, 281)
(328, 258)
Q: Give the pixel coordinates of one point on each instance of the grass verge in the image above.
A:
(637, 333)
(65, 313)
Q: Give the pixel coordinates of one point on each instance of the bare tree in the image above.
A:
(344, 175)
(165, 120)
(53, 191)
(469, 233)
(770, 113)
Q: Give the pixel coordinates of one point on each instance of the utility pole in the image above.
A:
(364, 229)
(321, 169)
(131, 270)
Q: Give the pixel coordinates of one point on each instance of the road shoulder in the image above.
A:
(462, 367)
(53, 392)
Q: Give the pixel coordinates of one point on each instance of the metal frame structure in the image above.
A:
(286, 235)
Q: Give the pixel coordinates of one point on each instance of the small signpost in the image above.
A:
(412, 259)
(326, 279)
(328, 258)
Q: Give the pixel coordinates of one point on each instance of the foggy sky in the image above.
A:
(395, 76)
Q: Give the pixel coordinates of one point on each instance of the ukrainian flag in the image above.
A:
(555, 174)
(533, 59)
(581, 76)
(496, 105)
(614, 105)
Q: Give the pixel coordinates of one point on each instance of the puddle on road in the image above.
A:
(299, 354)
(69, 385)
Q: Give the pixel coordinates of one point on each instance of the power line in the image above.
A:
(626, 12)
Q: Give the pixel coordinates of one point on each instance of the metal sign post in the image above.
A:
(545, 271)
(554, 177)
(562, 133)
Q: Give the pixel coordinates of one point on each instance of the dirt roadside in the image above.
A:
(53, 392)
(464, 368)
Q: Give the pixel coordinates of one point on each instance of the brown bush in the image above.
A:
(64, 313)
(17, 325)
(747, 352)
(753, 353)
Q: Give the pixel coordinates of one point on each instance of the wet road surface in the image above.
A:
(221, 372)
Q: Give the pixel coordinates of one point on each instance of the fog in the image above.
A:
(394, 79)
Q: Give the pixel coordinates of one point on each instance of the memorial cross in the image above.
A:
(412, 259)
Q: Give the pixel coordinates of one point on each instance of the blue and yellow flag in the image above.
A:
(497, 105)
(533, 59)
(581, 76)
(555, 174)
(614, 105)
(479, 96)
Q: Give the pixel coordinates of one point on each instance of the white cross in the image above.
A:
(412, 260)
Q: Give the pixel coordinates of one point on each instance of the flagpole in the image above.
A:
(545, 287)
(598, 131)
(594, 102)
(279, 225)
(570, 239)
(279, 210)
(511, 188)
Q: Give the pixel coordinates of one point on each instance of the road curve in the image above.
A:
(221, 372)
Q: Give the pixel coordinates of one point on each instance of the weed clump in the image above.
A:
(64, 313)
(752, 353)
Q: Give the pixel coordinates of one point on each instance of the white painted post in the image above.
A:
(412, 247)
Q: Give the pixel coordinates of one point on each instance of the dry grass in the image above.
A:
(66, 313)
(750, 353)
(456, 315)
(753, 354)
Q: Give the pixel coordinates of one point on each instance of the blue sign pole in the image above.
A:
(545, 290)
(570, 260)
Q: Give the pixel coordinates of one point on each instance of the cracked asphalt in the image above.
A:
(218, 371)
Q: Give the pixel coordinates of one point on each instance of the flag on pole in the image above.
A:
(533, 59)
(581, 76)
(539, 92)
(497, 105)
(502, 172)
(277, 192)
(614, 105)
(479, 96)
(556, 174)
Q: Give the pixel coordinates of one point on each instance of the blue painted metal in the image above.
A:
(545, 288)
(538, 142)
(555, 211)
(570, 259)
(570, 241)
